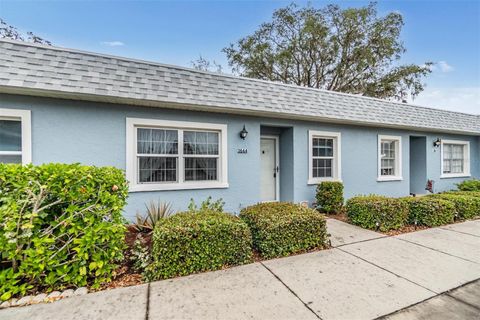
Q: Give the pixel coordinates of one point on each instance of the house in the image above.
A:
(182, 133)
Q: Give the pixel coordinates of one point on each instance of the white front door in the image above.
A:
(269, 166)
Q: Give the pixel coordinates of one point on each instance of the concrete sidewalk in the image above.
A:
(365, 276)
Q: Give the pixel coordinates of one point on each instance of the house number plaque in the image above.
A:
(244, 150)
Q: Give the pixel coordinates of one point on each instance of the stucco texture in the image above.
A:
(95, 134)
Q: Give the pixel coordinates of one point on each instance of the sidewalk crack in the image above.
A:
(293, 292)
(462, 232)
(384, 269)
(448, 254)
(147, 309)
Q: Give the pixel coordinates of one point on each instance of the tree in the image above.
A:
(203, 64)
(351, 50)
(10, 32)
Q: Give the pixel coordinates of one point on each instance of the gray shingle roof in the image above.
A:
(31, 69)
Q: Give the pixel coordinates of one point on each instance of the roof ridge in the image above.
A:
(96, 54)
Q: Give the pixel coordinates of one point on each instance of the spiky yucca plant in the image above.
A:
(155, 211)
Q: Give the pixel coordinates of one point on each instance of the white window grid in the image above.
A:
(181, 183)
(317, 169)
(180, 155)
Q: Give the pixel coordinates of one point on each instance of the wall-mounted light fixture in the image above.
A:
(437, 143)
(243, 133)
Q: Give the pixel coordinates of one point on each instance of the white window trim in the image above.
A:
(398, 162)
(337, 151)
(131, 161)
(466, 156)
(24, 116)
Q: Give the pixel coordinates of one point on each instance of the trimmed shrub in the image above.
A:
(464, 193)
(466, 206)
(281, 228)
(196, 241)
(429, 211)
(377, 212)
(469, 185)
(330, 196)
(60, 226)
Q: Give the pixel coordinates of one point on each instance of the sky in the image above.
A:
(177, 32)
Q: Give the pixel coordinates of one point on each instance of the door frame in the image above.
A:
(276, 138)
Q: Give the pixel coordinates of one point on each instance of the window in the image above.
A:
(389, 158)
(324, 156)
(172, 155)
(455, 158)
(15, 136)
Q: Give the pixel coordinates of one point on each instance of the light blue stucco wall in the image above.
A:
(95, 133)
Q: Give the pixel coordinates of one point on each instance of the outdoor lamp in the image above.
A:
(243, 133)
(437, 143)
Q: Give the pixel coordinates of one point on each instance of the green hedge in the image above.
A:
(197, 241)
(466, 206)
(280, 228)
(377, 212)
(60, 226)
(429, 211)
(330, 196)
(464, 193)
(469, 185)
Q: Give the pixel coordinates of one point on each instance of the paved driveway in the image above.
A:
(365, 276)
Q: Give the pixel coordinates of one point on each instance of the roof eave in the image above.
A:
(210, 108)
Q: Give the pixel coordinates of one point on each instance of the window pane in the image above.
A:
(457, 152)
(10, 135)
(322, 147)
(157, 169)
(157, 141)
(388, 157)
(198, 142)
(457, 166)
(322, 168)
(453, 158)
(447, 166)
(447, 151)
(10, 159)
(200, 169)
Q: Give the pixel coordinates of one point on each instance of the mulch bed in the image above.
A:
(406, 229)
(125, 274)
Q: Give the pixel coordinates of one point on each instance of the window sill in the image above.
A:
(386, 179)
(461, 175)
(318, 181)
(176, 186)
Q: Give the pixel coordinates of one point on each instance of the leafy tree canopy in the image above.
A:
(10, 32)
(349, 50)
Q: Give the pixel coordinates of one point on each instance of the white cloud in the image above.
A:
(113, 43)
(461, 99)
(441, 66)
(444, 66)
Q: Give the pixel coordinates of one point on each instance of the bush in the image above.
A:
(330, 196)
(429, 211)
(377, 212)
(197, 241)
(280, 228)
(207, 205)
(60, 226)
(464, 193)
(469, 185)
(466, 206)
